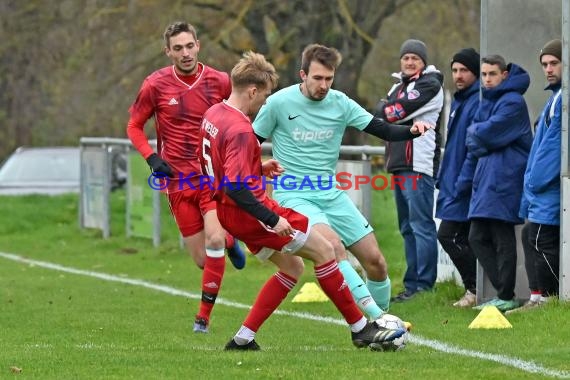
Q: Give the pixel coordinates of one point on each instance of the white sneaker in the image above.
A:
(468, 300)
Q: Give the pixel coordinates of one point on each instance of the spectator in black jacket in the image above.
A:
(418, 96)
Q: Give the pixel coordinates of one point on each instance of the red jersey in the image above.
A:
(178, 107)
(230, 151)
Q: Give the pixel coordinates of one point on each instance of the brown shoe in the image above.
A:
(468, 300)
(528, 305)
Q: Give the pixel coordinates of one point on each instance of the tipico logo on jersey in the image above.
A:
(341, 181)
(321, 135)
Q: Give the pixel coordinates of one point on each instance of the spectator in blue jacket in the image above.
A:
(451, 208)
(498, 144)
(540, 203)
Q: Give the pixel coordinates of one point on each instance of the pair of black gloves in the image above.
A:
(159, 167)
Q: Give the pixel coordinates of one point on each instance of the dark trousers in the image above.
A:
(530, 257)
(494, 244)
(541, 243)
(454, 238)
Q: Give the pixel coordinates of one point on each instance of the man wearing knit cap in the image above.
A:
(416, 47)
(540, 204)
(452, 208)
(418, 96)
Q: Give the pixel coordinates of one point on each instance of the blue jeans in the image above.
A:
(417, 226)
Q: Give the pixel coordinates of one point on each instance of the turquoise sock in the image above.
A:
(380, 291)
(359, 291)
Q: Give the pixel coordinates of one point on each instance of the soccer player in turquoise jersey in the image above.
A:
(306, 123)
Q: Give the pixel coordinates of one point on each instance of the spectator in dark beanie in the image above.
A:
(453, 208)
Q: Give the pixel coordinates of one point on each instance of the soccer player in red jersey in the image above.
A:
(231, 156)
(176, 97)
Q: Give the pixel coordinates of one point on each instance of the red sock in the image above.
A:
(269, 298)
(211, 282)
(333, 284)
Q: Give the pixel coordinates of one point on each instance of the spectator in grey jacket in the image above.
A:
(418, 96)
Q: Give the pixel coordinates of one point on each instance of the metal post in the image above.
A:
(106, 192)
(367, 189)
(564, 276)
(481, 281)
(81, 208)
(128, 195)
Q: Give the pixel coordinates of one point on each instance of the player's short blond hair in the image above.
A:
(253, 69)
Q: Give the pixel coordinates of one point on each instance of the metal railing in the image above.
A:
(96, 152)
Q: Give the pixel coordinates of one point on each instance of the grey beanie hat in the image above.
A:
(416, 47)
(553, 47)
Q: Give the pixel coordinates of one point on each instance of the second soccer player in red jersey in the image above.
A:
(176, 97)
(231, 156)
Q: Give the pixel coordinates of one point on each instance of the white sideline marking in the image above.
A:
(526, 366)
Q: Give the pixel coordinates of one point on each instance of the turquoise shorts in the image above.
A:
(337, 211)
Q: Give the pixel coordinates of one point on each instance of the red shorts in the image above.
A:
(188, 207)
(255, 234)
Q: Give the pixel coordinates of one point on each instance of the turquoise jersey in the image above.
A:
(307, 134)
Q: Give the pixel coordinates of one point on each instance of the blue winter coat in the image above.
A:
(541, 198)
(452, 206)
(498, 144)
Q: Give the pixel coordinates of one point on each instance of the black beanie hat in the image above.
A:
(553, 47)
(416, 47)
(469, 58)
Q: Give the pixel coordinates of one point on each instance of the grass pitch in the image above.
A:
(121, 309)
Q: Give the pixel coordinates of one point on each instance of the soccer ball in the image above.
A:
(390, 321)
